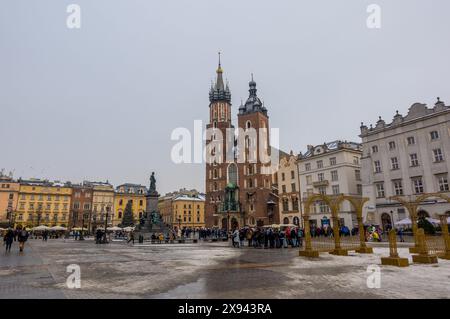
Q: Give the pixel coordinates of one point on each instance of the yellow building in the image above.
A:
(42, 202)
(183, 209)
(9, 193)
(129, 193)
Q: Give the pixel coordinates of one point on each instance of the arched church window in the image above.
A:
(232, 174)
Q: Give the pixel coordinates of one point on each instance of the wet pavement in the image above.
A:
(207, 270)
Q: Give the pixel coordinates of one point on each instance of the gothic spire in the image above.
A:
(219, 92)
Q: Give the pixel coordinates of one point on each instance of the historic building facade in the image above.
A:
(9, 194)
(331, 169)
(102, 205)
(238, 179)
(408, 157)
(288, 185)
(134, 193)
(81, 205)
(42, 202)
(188, 211)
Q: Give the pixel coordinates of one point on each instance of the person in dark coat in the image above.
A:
(8, 239)
(22, 238)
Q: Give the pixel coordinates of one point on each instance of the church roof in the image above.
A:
(253, 103)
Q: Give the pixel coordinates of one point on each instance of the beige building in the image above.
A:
(331, 169)
(409, 157)
(102, 205)
(288, 184)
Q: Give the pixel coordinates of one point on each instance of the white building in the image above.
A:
(408, 157)
(288, 184)
(331, 168)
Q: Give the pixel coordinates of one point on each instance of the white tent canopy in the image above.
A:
(58, 228)
(128, 229)
(41, 227)
(114, 228)
(407, 221)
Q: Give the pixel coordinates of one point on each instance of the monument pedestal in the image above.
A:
(395, 261)
(152, 224)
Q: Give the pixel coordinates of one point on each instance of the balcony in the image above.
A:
(321, 183)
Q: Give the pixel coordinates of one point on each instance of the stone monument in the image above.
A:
(152, 222)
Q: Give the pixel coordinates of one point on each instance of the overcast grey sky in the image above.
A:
(101, 102)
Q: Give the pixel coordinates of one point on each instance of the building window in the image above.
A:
(380, 190)
(320, 177)
(375, 149)
(293, 189)
(358, 175)
(87, 206)
(417, 185)
(391, 145)
(285, 204)
(377, 166)
(282, 177)
(359, 189)
(322, 190)
(414, 161)
(120, 202)
(295, 203)
(411, 140)
(335, 189)
(319, 164)
(307, 166)
(334, 176)
(443, 182)
(323, 207)
(356, 160)
(398, 187)
(332, 161)
(292, 174)
(283, 188)
(394, 163)
(308, 179)
(76, 205)
(141, 202)
(434, 135)
(438, 156)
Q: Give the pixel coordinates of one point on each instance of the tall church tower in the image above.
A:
(257, 200)
(216, 169)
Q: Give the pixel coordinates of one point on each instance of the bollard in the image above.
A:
(394, 259)
(338, 250)
(446, 237)
(423, 256)
(308, 252)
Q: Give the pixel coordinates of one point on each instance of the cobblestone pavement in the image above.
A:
(207, 270)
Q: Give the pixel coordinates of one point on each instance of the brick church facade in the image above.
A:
(239, 177)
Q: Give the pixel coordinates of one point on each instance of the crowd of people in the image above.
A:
(268, 237)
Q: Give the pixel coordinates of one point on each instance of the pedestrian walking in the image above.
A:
(131, 238)
(22, 238)
(8, 239)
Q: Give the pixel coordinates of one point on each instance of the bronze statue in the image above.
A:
(152, 183)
